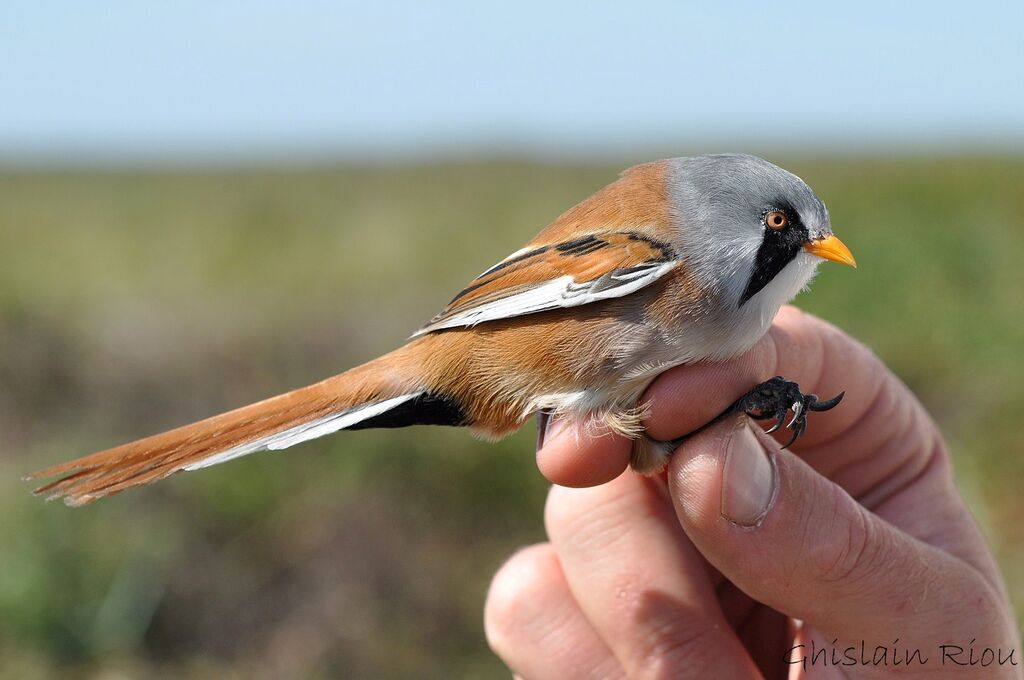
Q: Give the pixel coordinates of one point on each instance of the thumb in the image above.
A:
(792, 539)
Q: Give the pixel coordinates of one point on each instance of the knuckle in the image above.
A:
(659, 635)
(847, 553)
(584, 515)
(514, 595)
(559, 510)
(667, 649)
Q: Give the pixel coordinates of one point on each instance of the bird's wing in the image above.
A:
(568, 273)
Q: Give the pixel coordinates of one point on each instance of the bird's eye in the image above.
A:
(776, 220)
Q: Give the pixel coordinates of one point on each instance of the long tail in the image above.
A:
(386, 392)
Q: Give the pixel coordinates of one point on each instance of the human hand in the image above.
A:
(858, 532)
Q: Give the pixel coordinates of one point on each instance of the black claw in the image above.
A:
(826, 405)
(780, 420)
(774, 398)
(796, 435)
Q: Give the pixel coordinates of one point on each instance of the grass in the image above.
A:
(131, 302)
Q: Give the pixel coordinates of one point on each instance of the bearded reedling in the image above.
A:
(678, 261)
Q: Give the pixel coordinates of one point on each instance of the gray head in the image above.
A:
(749, 228)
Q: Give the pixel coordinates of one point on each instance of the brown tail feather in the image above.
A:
(148, 460)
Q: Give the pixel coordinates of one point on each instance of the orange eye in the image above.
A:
(776, 220)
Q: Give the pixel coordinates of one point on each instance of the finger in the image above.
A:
(812, 654)
(798, 346)
(877, 441)
(763, 631)
(578, 455)
(767, 634)
(792, 539)
(535, 626)
(640, 583)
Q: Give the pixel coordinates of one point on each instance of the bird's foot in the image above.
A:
(771, 399)
(775, 397)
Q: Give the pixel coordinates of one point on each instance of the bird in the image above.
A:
(677, 261)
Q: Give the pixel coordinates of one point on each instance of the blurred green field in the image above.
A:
(135, 301)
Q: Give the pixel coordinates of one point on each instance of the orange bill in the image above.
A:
(831, 248)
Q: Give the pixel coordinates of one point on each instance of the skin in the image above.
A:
(865, 538)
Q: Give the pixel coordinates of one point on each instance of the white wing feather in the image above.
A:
(555, 294)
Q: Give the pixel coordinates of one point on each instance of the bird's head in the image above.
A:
(751, 231)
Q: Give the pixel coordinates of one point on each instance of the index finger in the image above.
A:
(798, 346)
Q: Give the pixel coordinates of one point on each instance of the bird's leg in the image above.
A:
(773, 399)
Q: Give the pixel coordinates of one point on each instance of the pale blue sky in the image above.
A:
(114, 78)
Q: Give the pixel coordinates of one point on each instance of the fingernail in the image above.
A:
(748, 478)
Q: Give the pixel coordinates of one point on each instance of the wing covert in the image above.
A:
(569, 273)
